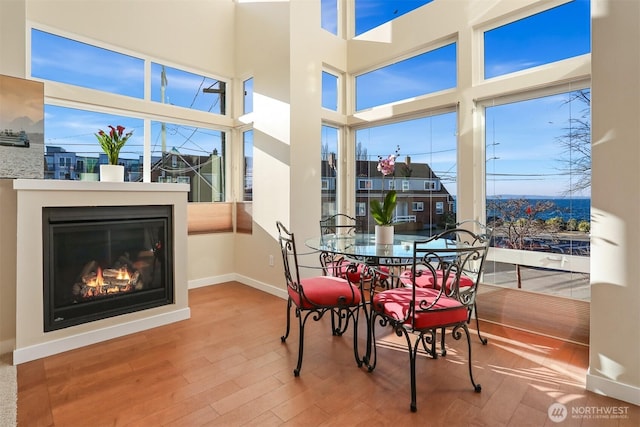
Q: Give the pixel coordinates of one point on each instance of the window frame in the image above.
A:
(91, 100)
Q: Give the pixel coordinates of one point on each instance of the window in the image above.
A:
(439, 208)
(191, 152)
(417, 206)
(60, 59)
(539, 200)
(430, 153)
(329, 170)
(392, 184)
(179, 151)
(361, 209)
(329, 15)
(365, 184)
(329, 91)
(553, 35)
(431, 185)
(70, 135)
(184, 89)
(247, 191)
(372, 13)
(247, 106)
(428, 72)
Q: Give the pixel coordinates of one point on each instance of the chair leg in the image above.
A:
(356, 315)
(301, 322)
(413, 352)
(429, 343)
(475, 309)
(286, 334)
(340, 327)
(371, 355)
(457, 335)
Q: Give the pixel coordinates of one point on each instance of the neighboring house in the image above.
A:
(423, 200)
(202, 173)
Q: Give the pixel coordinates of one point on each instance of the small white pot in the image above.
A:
(111, 173)
(384, 234)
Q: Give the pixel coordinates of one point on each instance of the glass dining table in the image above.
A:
(363, 248)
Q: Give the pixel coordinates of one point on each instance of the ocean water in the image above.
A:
(577, 208)
(19, 162)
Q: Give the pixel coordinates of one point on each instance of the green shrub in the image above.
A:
(556, 223)
(584, 226)
(572, 224)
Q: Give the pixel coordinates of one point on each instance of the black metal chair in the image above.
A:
(337, 225)
(417, 312)
(469, 278)
(316, 295)
(341, 225)
(473, 275)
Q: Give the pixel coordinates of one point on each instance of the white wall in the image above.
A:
(614, 361)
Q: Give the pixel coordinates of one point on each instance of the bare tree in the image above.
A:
(517, 222)
(576, 143)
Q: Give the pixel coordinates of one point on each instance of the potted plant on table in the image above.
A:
(111, 143)
(382, 213)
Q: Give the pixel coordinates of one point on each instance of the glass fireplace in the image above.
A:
(105, 261)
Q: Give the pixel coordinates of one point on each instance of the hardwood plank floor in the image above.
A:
(226, 366)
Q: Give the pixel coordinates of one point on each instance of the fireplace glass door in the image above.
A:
(105, 261)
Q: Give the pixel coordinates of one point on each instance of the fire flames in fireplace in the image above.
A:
(96, 282)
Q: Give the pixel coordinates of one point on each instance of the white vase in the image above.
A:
(111, 173)
(384, 234)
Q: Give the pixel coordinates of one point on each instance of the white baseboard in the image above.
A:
(208, 281)
(216, 280)
(38, 351)
(265, 287)
(616, 390)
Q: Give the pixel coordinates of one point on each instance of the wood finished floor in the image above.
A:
(226, 366)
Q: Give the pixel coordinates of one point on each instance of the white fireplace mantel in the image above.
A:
(31, 342)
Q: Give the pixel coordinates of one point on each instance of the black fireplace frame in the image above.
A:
(90, 311)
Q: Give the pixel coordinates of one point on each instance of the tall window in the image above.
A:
(247, 98)
(247, 190)
(329, 167)
(538, 169)
(429, 155)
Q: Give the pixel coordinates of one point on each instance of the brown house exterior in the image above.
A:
(424, 203)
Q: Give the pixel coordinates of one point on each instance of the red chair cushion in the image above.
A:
(425, 280)
(340, 269)
(326, 291)
(395, 303)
